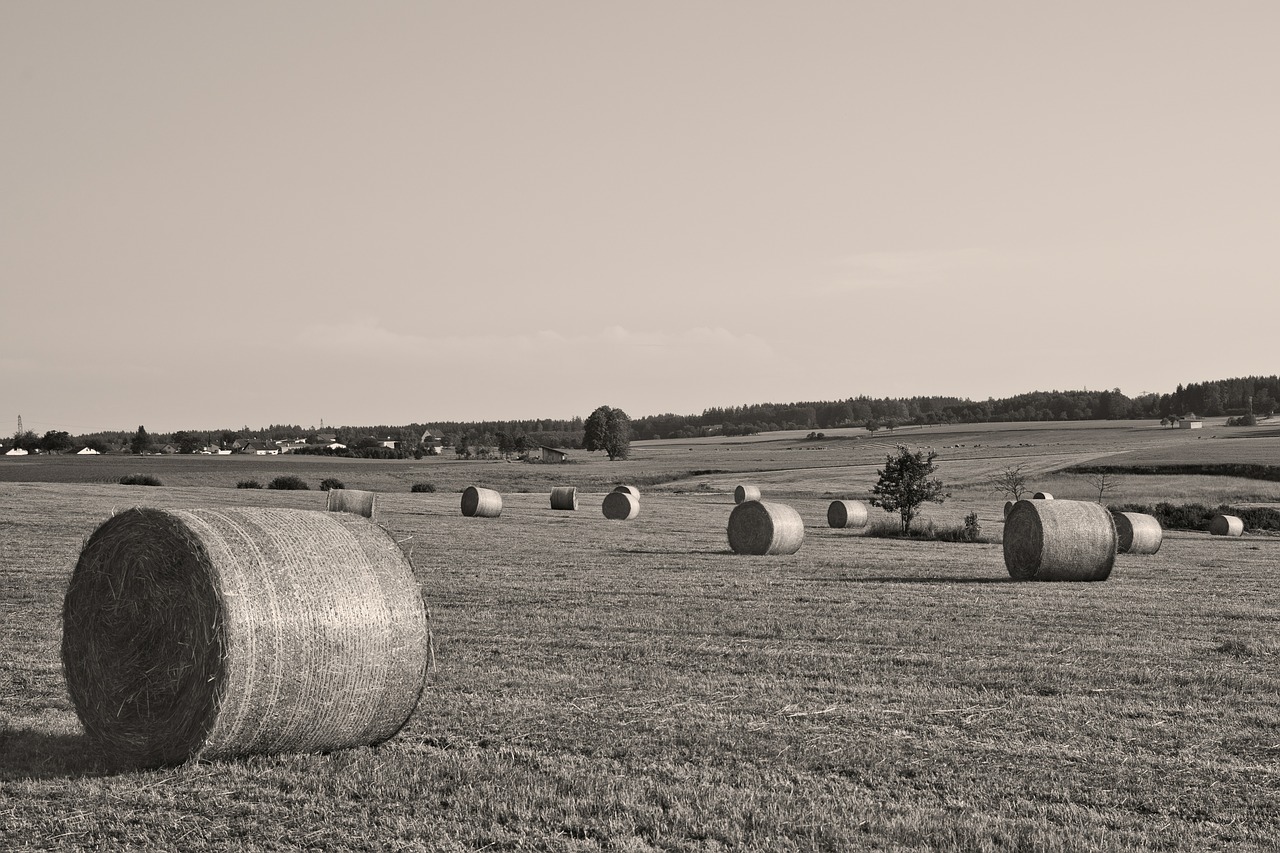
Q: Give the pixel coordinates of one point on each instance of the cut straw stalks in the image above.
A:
(564, 497)
(620, 506)
(1137, 533)
(760, 528)
(1226, 525)
(354, 501)
(205, 634)
(847, 514)
(1059, 541)
(742, 494)
(481, 503)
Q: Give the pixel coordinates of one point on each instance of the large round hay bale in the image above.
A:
(481, 503)
(1008, 508)
(847, 514)
(564, 497)
(354, 501)
(1042, 496)
(1226, 525)
(621, 506)
(757, 527)
(1059, 541)
(214, 633)
(1137, 533)
(742, 494)
(631, 490)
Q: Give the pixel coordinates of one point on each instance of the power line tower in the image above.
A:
(19, 424)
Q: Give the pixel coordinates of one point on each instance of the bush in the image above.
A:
(248, 484)
(1198, 516)
(140, 480)
(423, 487)
(330, 483)
(288, 482)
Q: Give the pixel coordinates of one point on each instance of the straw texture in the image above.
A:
(564, 497)
(620, 506)
(1226, 525)
(1059, 541)
(220, 633)
(353, 501)
(847, 514)
(481, 503)
(1137, 533)
(757, 527)
(746, 493)
(631, 490)
(1042, 496)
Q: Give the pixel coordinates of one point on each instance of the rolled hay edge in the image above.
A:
(760, 529)
(1137, 533)
(354, 501)
(221, 633)
(744, 493)
(1042, 496)
(1059, 541)
(620, 506)
(1226, 525)
(564, 498)
(481, 503)
(847, 514)
(631, 490)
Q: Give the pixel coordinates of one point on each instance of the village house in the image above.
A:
(1190, 421)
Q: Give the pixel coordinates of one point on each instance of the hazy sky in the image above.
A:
(249, 213)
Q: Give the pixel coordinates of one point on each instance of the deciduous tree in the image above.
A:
(907, 483)
(608, 429)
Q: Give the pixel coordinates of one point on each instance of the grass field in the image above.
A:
(635, 686)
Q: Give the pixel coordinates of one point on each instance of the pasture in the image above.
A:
(607, 685)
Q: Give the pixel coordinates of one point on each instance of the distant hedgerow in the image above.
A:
(423, 487)
(140, 480)
(288, 482)
(248, 484)
(330, 483)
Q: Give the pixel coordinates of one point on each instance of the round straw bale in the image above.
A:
(564, 497)
(1059, 541)
(481, 503)
(1042, 496)
(631, 490)
(847, 514)
(354, 501)
(215, 633)
(621, 506)
(1008, 508)
(1137, 533)
(741, 494)
(757, 527)
(1226, 525)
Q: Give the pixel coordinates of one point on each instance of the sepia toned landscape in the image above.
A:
(635, 685)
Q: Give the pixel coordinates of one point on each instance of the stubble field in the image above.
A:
(635, 686)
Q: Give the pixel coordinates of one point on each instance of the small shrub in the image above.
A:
(423, 487)
(248, 484)
(140, 480)
(972, 529)
(288, 482)
(331, 483)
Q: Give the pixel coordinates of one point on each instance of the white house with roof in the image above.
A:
(1190, 421)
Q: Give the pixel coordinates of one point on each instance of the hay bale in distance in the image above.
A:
(1059, 541)
(217, 633)
(1042, 496)
(620, 506)
(742, 494)
(631, 490)
(481, 503)
(1137, 533)
(846, 514)
(1226, 525)
(760, 528)
(1008, 508)
(354, 501)
(564, 497)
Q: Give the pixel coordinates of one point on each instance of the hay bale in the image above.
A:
(621, 506)
(1042, 496)
(215, 633)
(1059, 541)
(354, 501)
(631, 490)
(847, 514)
(564, 497)
(756, 527)
(1226, 525)
(481, 503)
(742, 494)
(1137, 533)
(1008, 508)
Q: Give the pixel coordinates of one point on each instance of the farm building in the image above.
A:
(15, 451)
(86, 451)
(290, 446)
(431, 446)
(389, 443)
(551, 454)
(260, 448)
(1190, 421)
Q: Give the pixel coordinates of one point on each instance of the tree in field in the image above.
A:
(1105, 482)
(186, 442)
(55, 441)
(1010, 483)
(609, 430)
(140, 441)
(906, 484)
(26, 440)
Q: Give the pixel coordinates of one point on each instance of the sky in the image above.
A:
(218, 215)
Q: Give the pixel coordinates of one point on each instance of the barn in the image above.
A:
(551, 454)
